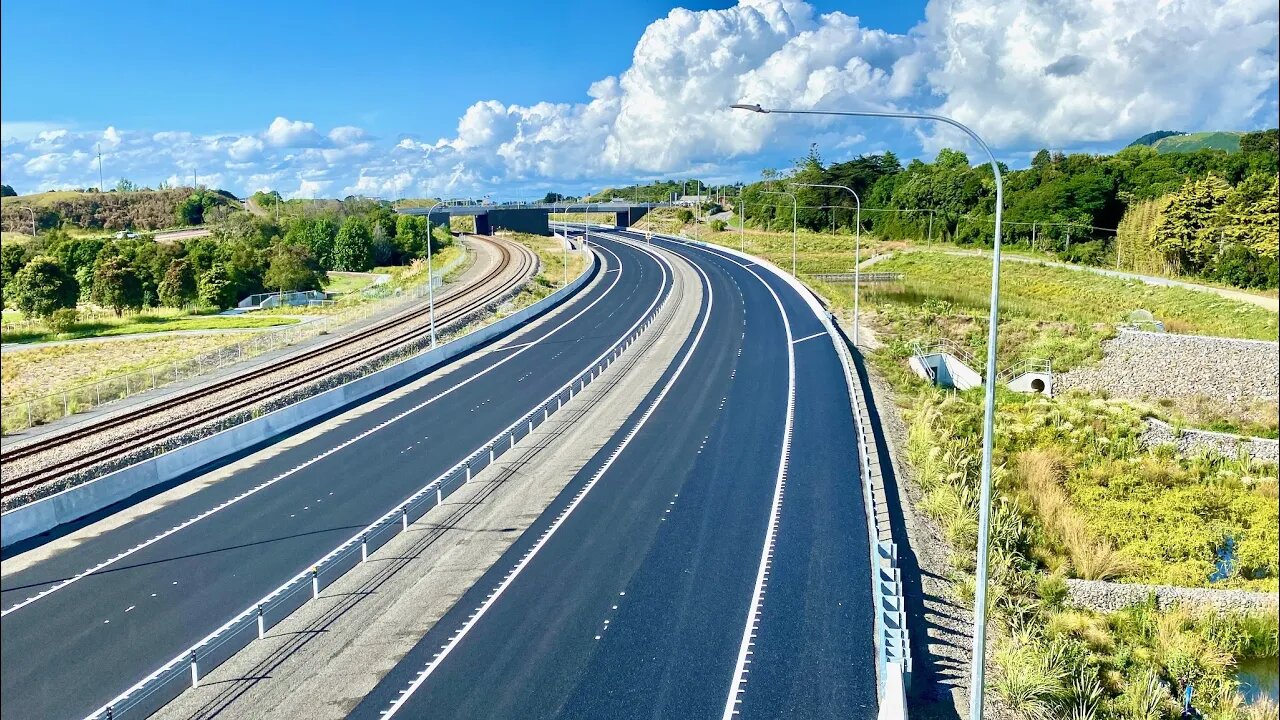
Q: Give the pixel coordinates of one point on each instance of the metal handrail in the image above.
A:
(1040, 365)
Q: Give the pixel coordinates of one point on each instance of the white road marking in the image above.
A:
(766, 555)
(809, 337)
(252, 491)
(510, 577)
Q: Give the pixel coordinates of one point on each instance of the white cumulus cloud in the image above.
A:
(1023, 73)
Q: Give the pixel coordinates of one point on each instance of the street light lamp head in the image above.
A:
(752, 108)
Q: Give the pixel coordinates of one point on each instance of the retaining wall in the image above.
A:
(1109, 596)
(1190, 442)
(83, 500)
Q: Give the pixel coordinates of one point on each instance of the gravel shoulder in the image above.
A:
(323, 660)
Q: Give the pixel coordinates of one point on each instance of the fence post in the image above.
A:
(468, 473)
(439, 496)
(364, 549)
(491, 455)
(65, 410)
(404, 519)
(195, 672)
(315, 583)
(262, 630)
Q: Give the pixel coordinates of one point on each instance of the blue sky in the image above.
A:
(515, 97)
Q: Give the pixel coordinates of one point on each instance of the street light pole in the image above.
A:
(34, 230)
(431, 280)
(857, 249)
(978, 668)
(742, 221)
(795, 209)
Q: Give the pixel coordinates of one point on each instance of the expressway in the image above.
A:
(710, 560)
(85, 622)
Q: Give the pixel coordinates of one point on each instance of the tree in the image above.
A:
(190, 211)
(292, 268)
(116, 285)
(353, 246)
(684, 216)
(1187, 233)
(552, 197)
(7, 191)
(12, 257)
(42, 287)
(125, 185)
(382, 246)
(411, 236)
(178, 288)
(216, 288)
(1265, 141)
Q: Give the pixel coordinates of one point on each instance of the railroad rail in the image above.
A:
(509, 273)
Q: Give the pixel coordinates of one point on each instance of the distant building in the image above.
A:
(691, 200)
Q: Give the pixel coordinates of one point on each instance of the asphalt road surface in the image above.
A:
(711, 560)
(118, 607)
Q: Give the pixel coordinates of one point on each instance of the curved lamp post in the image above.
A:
(431, 280)
(794, 210)
(857, 248)
(977, 670)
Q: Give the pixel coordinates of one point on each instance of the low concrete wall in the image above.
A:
(1110, 596)
(82, 500)
(1190, 441)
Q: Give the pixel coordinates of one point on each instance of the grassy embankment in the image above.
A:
(1075, 493)
(551, 272)
(35, 372)
(150, 321)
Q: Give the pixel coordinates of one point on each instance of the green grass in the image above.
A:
(344, 283)
(1059, 294)
(145, 323)
(1229, 141)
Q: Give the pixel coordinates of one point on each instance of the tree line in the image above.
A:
(244, 255)
(1220, 224)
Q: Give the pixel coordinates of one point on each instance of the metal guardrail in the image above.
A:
(893, 648)
(81, 398)
(185, 670)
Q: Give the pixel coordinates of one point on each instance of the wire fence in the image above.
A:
(188, 668)
(48, 408)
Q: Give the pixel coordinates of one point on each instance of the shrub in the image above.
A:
(62, 320)
(684, 215)
(718, 225)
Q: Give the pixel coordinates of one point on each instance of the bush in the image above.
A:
(718, 225)
(684, 215)
(62, 320)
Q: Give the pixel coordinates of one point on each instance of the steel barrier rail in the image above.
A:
(891, 637)
(214, 649)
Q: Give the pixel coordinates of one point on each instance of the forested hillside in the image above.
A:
(125, 209)
(1207, 213)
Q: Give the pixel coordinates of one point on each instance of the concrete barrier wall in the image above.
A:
(82, 500)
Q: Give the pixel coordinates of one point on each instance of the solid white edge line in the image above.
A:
(510, 577)
(738, 686)
(252, 491)
(181, 657)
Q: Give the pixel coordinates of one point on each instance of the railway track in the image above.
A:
(293, 372)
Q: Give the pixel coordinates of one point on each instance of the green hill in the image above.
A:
(1190, 142)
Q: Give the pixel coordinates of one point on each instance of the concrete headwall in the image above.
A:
(82, 500)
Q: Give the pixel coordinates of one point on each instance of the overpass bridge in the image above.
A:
(531, 218)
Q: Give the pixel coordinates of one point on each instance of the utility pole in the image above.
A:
(100, 188)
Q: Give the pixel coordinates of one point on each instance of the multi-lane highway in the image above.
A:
(710, 561)
(88, 622)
